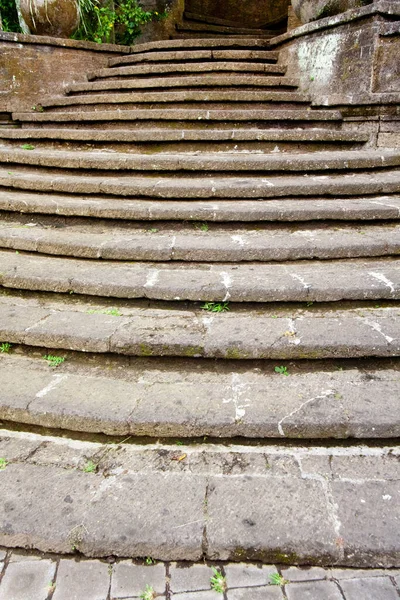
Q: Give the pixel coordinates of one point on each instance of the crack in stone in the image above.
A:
(322, 396)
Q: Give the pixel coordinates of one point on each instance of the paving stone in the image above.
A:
(29, 580)
(203, 595)
(369, 588)
(3, 555)
(191, 578)
(86, 579)
(315, 590)
(304, 574)
(257, 593)
(129, 580)
(244, 575)
(342, 574)
(17, 557)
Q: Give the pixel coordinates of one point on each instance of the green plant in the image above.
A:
(218, 581)
(90, 467)
(9, 16)
(27, 147)
(201, 226)
(3, 464)
(277, 579)
(5, 347)
(54, 361)
(282, 371)
(216, 306)
(152, 230)
(108, 311)
(149, 561)
(148, 593)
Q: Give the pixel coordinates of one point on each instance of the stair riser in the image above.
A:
(193, 56)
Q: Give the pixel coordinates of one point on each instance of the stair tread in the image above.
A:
(199, 67)
(195, 55)
(202, 161)
(217, 187)
(180, 243)
(316, 400)
(149, 134)
(226, 29)
(286, 333)
(183, 115)
(291, 210)
(208, 497)
(217, 80)
(330, 281)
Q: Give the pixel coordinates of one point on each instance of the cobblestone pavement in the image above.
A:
(38, 577)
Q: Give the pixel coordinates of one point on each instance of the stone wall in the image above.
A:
(349, 59)
(32, 68)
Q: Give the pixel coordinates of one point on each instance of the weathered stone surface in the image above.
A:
(244, 575)
(257, 593)
(294, 574)
(130, 580)
(377, 588)
(311, 10)
(85, 579)
(28, 580)
(316, 590)
(189, 579)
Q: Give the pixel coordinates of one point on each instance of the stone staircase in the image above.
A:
(209, 265)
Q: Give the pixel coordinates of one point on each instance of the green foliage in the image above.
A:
(27, 147)
(9, 16)
(216, 306)
(282, 371)
(5, 347)
(148, 593)
(116, 22)
(277, 579)
(90, 467)
(3, 464)
(54, 361)
(201, 226)
(218, 581)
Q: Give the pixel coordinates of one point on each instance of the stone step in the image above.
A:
(171, 98)
(175, 118)
(164, 139)
(190, 56)
(59, 322)
(317, 400)
(283, 210)
(300, 164)
(192, 16)
(188, 33)
(203, 80)
(189, 26)
(209, 492)
(178, 242)
(189, 69)
(201, 188)
(331, 281)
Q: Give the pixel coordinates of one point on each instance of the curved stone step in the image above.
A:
(284, 210)
(224, 42)
(303, 282)
(218, 187)
(187, 68)
(177, 97)
(288, 333)
(200, 116)
(300, 164)
(209, 494)
(182, 135)
(236, 243)
(194, 81)
(213, 28)
(315, 401)
(265, 56)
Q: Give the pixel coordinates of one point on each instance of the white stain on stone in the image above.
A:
(57, 379)
(306, 285)
(238, 389)
(238, 239)
(378, 328)
(381, 277)
(227, 283)
(152, 278)
(322, 396)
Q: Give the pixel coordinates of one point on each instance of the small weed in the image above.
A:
(152, 230)
(277, 579)
(108, 311)
(51, 587)
(148, 593)
(282, 371)
(90, 467)
(312, 78)
(201, 226)
(216, 306)
(217, 581)
(179, 443)
(149, 561)
(27, 147)
(3, 464)
(310, 303)
(5, 347)
(54, 361)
